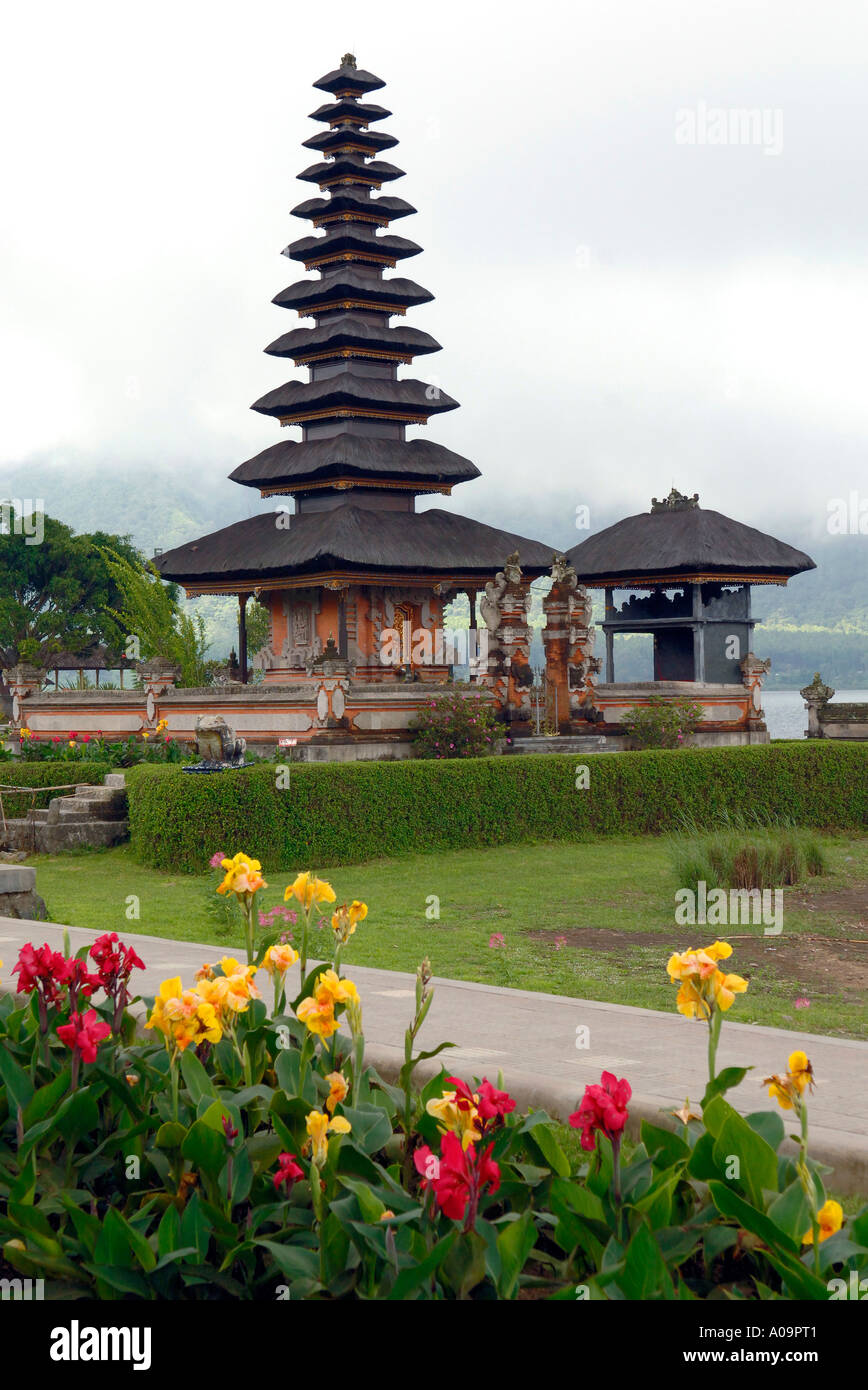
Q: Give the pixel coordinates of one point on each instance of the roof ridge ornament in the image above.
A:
(349, 61)
(675, 502)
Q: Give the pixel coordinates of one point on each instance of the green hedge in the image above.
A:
(44, 774)
(342, 813)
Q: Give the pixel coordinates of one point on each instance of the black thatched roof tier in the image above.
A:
(349, 238)
(350, 80)
(350, 199)
(365, 142)
(346, 394)
(681, 543)
(351, 540)
(351, 285)
(349, 110)
(347, 331)
(352, 167)
(353, 455)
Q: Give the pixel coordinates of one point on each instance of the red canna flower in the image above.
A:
(493, 1103)
(288, 1172)
(458, 1178)
(603, 1110)
(84, 1033)
(115, 962)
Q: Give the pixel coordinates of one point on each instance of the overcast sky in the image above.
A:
(621, 310)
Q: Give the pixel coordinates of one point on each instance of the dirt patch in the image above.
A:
(849, 904)
(804, 962)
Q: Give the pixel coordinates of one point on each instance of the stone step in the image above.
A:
(114, 808)
(67, 835)
(37, 816)
(116, 780)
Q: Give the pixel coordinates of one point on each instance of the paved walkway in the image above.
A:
(532, 1039)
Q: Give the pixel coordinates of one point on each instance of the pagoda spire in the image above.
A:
(355, 339)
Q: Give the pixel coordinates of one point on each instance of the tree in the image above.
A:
(152, 620)
(57, 595)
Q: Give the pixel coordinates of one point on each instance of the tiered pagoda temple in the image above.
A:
(356, 558)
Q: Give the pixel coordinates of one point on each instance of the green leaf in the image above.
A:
(170, 1135)
(16, 1081)
(204, 1148)
(195, 1227)
(645, 1275)
(729, 1204)
(664, 1145)
(409, 1280)
(724, 1081)
(791, 1211)
(542, 1138)
(371, 1127)
(514, 1244)
(78, 1116)
(370, 1206)
(169, 1232)
(293, 1261)
(769, 1124)
(196, 1078)
(47, 1098)
(757, 1160)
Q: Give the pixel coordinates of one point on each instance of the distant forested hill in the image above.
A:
(818, 622)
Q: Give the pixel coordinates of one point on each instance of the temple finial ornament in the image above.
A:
(675, 502)
(349, 61)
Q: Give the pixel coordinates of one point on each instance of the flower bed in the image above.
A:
(246, 1150)
(347, 813)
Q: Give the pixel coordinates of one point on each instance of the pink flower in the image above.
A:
(497, 938)
(216, 860)
(560, 943)
(288, 1172)
(802, 1003)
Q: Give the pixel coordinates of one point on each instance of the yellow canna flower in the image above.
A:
(800, 1070)
(169, 989)
(787, 1090)
(278, 959)
(830, 1219)
(337, 1090)
(328, 985)
(243, 875)
(318, 1016)
(318, 1126)
(345, 919)
(308, 889)
(724, 988)
(702, 986)
(450, 1116)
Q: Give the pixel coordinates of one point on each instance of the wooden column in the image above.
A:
(242, 636)
(609, 610)
(698, 635)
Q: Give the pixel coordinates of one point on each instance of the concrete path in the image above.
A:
(532, 1038)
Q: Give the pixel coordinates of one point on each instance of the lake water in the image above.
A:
(786, 716)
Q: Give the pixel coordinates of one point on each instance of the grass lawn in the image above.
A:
(611, 901)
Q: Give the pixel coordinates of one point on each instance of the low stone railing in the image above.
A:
(827, 720)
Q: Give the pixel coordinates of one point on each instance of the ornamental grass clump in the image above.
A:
(233, 1149)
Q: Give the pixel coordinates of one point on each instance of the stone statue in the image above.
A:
(217, 745)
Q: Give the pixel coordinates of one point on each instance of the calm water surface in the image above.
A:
(786, 716)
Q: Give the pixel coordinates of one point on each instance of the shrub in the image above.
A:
(45, 774)
(456, 726)
(343, 813)
(273, 1162)
(663, 723)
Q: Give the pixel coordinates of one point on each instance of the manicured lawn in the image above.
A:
(612, 900)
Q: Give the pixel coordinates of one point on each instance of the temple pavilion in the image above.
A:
(690, 571)
(355, 558)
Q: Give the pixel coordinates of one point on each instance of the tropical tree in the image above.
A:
(154, 623)
(57, 593)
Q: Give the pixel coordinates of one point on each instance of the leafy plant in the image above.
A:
(662, 723)
(455, 726)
